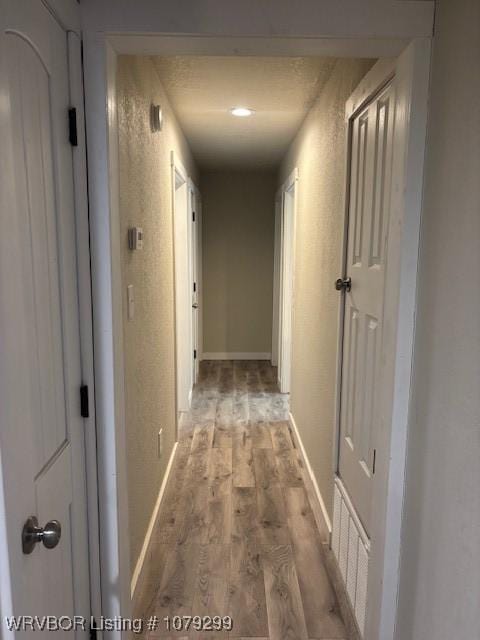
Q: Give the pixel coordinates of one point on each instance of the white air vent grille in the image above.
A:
(351, 547)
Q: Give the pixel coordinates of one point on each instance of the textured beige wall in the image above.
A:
(319, 153)
(145, 201)
(238, 238)
(440, 560)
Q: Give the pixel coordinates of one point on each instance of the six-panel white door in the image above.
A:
(42, 437)
(369, 192)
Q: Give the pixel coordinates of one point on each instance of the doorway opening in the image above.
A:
(293, 260)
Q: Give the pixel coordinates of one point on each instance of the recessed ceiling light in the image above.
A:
(241, 112)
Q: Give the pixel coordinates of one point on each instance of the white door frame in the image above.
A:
(182, 250)
(288, 215)
(67, 13)
(276, 278)
(100, 52)
(411, 71)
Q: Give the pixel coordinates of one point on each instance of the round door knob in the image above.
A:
(49, 535)
(343, 284)
(195, 305)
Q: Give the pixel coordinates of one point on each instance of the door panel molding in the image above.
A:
(182, 260)
(85, 310)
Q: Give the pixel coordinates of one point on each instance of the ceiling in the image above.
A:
(203, 89)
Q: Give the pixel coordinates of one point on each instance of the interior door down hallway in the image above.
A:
(369, 190)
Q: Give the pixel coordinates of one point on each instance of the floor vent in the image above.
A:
(351, 547)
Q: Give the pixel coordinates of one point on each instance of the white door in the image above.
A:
(42, 438)
(196, 284)
(287, 235)
(369, 189)
(276, 280)
(183, 284)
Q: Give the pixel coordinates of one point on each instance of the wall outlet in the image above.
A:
(135, 238)
(160, 443)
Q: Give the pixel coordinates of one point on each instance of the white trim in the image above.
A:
(287, 271)
(353, 513)
(290, 181)
(6, 604)
(67, 12)
(276, 278)
(152, 44)
(348, 28)
(236, 355)
(148, 535)
(181, 221)
(310, 478)
(177, 166)
(376, 78)
(412, 87)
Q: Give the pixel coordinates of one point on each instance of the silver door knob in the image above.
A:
(343, 284)
(49, 535)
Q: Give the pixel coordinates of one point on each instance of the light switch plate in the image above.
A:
(135, 238)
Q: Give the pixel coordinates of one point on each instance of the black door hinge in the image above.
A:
(84, 407)
(194, 287)
(93, 630)
(193, 216)
(194, 354)
(72, 127)
(374, 461)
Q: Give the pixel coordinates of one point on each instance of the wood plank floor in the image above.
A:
(235, 535)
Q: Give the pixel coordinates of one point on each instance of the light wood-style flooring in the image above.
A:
(235, 534)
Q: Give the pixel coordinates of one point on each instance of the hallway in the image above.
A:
(235, 535)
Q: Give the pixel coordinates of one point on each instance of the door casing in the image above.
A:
(196, 276)
(100, 52)
(67, 14)
(288, 215)
(182, 234)
(411, 73)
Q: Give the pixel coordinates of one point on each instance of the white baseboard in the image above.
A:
(311, 480)
(236, 355)
(151, 524)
